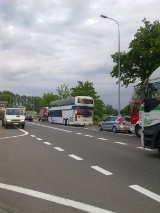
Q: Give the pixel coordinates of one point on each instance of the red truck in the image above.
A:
(43, 114)
(135, 123)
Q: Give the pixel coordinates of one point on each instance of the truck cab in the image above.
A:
(151, 116)
(135, 117)
(13, 117)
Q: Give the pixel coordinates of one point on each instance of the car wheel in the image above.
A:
(114, 129)
(100, 127)
(6, 126)
(138, 131)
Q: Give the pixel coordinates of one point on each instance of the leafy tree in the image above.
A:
(63, 91)
(109, 110)
(87, 89)
(48, 98)
(143, 57)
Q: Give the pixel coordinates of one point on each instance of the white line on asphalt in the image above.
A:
(50, 127)
(140, 147)
(103, 171)
(103, 139)
(79, 133)
(75, 157)
(59, 149)
(120, 143)
(47, 143)
(33, 136)
(15, 136)
(39, 139)
(55, 199)
(146, 192)
(89, 136)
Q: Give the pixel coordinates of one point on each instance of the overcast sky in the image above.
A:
(46, 43)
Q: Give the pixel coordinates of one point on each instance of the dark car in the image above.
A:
(29, 118)
(115, 124)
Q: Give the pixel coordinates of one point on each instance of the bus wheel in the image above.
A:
(66, 122)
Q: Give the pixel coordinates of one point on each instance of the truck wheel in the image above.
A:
(138, 131)
(23, 125)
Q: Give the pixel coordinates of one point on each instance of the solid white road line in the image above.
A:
(33, 136)
(59, 149)
(89, 136)
(103, 171)
(103, 139)
(47, 143)
(15, 136)
(50, 127)
(146, 192)
(75, 157)
(55, 199)
(39, 139)
(120, 143)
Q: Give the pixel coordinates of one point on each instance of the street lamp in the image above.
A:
(102, 16)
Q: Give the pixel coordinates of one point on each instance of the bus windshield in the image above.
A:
(85, 101)
(84, 113)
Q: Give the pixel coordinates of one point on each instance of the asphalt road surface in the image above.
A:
(49, 168)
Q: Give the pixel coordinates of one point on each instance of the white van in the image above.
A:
(13, 117)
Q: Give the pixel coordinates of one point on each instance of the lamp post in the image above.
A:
(119, 107)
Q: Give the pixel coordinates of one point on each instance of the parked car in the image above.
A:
(29, 118)
(115, 124)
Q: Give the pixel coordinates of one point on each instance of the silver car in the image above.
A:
(115, 124)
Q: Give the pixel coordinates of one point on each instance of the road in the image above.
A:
(48, 168)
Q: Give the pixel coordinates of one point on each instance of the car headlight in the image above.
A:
(8, 120)
(22, 120)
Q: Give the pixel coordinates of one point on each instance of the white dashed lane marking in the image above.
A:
(103, 139)
(39, 139)
(47, 143)
(75, 157)
(91, 136)
(103, 171)
(33, 136)
(59, 149)
(140, 147)
(54, 199)
(146, 192)
(121, 143)
(79, 133)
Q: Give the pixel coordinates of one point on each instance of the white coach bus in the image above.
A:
(72, 111)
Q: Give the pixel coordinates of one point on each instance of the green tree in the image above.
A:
(109, 110)
(87, 89)
(63, 91)
(143, 56)
(48, 98)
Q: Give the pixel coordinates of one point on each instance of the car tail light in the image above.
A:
(121, 121)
